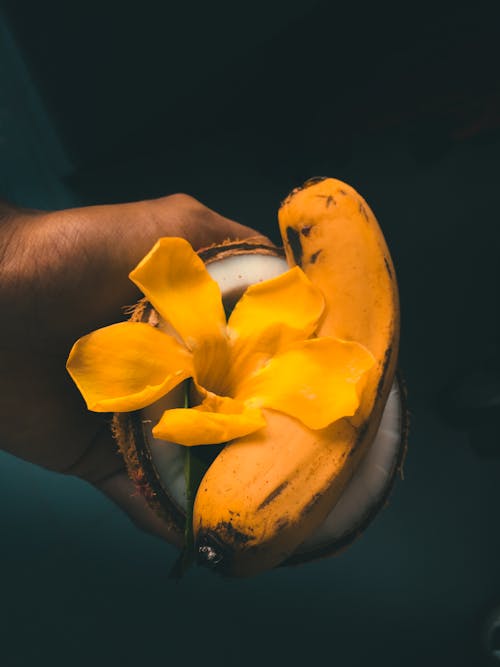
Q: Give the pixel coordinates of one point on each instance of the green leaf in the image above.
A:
(197, 461)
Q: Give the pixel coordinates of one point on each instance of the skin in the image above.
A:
(62, 275)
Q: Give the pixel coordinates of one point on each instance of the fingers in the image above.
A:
(99, 458)
(121, 491)
(43, 419)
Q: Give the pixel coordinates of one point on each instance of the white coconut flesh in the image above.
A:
(368, 486)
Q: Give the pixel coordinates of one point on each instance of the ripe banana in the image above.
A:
(267, 492)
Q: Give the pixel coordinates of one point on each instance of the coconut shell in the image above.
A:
(129, 432)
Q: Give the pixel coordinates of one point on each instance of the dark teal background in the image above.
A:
(101, 104)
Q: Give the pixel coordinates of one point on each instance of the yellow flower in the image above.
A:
(263, 357)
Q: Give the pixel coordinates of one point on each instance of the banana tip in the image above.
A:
(210, 552)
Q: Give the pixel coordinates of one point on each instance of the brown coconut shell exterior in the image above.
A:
(128, 431)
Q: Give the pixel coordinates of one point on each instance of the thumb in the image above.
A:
(182, 215)
(102, 244)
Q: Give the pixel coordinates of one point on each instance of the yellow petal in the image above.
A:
(217, 420)
(127, 366)
(314, 381)
(176, 282)
(289, 299)
(271, 315)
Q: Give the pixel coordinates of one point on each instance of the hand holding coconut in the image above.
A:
(292, 378)
(62, 274)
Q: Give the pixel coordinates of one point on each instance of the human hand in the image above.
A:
(63, 274)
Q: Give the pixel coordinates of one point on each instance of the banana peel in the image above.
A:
(265, 493)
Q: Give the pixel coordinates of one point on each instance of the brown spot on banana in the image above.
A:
(388, 267)
(314, 257)
(295, 245)
(273, 495)
(329, 200)
(363, 212)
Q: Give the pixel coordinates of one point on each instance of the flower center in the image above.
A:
(212, 362)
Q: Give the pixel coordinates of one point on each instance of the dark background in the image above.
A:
(236, 105)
